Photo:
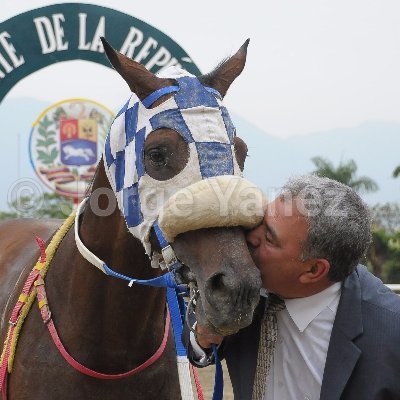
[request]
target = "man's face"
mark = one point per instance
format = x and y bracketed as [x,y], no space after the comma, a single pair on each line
[276,247]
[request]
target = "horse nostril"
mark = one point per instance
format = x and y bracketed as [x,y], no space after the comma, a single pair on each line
[217,282]
[221,287]
[227,288]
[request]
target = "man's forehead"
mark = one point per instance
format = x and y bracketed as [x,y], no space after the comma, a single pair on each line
[285,223]
[283,207]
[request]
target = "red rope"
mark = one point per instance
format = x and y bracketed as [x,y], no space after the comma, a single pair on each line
[41,244]
[199,390]
[4,365]
[87,371]
[15,314]
[4,391]
[46,315]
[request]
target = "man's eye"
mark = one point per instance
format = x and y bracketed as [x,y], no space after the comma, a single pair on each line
[157,158]
[268,239]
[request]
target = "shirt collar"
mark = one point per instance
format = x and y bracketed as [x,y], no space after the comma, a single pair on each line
[303,310]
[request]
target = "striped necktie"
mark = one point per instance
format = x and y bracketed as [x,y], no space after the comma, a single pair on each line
[268,336]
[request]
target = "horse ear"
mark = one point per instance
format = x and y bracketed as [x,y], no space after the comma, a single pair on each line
[140,80]
[223,76]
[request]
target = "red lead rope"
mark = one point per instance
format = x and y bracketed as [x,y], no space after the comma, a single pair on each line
[87,371]
[46,316]
[35,278]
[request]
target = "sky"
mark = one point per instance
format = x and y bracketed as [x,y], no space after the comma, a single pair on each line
[312,66]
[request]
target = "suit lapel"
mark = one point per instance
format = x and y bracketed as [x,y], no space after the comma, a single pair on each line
[343,354]
[248,368]
[241,355]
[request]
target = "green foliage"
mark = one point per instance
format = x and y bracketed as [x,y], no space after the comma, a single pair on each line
[383,257]
[386,217]
[391,268]
[344,173]
[48,205]
[396,172]
[7,215]
[46,143]
[48,152]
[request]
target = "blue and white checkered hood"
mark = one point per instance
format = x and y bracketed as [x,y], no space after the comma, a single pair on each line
[197,114]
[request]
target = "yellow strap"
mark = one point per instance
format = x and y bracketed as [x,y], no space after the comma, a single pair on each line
[42,267]
[23,298]
[39,282]
[39,265]
[42,303]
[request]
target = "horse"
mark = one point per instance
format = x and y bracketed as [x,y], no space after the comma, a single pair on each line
[103,323]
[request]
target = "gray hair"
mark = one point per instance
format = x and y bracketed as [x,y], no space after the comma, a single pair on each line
[339,222]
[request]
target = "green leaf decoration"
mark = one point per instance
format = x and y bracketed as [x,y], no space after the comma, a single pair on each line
[59,113]
[42,132]
[41,143]
[53,153]
[44,157]
[46,122]
[45,143]
[41,154]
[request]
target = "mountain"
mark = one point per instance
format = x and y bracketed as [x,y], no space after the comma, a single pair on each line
[373,145]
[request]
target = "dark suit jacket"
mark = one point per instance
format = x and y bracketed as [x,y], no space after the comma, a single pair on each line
[363,359]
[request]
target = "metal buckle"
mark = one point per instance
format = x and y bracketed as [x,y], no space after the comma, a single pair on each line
[169,256]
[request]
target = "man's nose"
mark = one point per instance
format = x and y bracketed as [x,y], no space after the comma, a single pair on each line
[253,238]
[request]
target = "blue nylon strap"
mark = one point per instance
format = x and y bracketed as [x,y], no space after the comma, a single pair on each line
[167,280]
[219,376]
[176,319]
[160,236]
[164,244]
[152,97]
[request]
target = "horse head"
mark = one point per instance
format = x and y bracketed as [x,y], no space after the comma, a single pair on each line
[172,158]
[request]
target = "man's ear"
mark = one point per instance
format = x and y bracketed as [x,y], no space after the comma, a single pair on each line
[318,269]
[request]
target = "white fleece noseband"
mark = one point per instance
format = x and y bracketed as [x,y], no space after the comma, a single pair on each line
[214,202]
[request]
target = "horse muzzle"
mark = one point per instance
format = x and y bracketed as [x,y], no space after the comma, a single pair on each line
[229,299]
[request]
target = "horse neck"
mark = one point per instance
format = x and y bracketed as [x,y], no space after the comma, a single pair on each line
[105,308]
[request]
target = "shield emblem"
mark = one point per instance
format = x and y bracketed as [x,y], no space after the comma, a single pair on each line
[78,141]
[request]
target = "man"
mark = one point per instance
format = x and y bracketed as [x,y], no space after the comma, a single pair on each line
[339,333]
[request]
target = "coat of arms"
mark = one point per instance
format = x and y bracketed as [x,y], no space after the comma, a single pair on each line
[78,141]
[64,144]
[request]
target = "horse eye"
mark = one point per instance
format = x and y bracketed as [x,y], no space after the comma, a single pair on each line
[157,158]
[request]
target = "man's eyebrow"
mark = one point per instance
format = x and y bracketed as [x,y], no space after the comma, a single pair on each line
[272,232]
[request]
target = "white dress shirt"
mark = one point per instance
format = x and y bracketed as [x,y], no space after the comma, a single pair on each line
[304,331]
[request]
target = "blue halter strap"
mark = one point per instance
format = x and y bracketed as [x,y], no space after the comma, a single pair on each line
[177,309]
[176,304]
[151,98]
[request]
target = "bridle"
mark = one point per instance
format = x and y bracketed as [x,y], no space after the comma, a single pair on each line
[172,263]
[176,290]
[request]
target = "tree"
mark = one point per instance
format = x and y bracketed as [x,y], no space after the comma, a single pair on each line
[386,217]
[396,172]
[48,205]
[344,173]
[383,256]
